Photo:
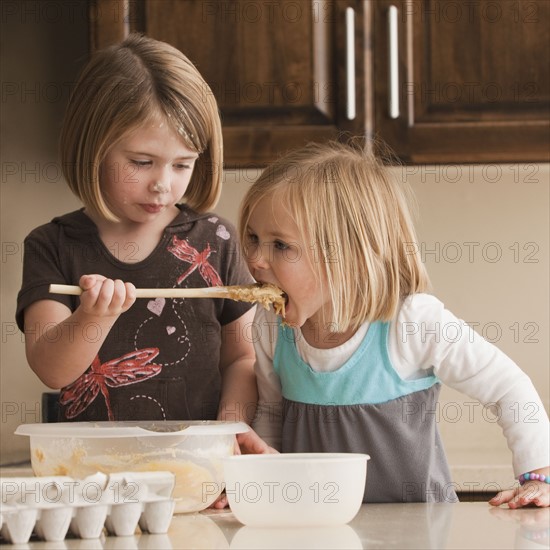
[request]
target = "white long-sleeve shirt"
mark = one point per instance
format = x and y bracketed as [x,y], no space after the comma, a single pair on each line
[424,338]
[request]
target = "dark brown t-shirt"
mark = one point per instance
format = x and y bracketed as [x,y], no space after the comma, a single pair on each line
[161,358]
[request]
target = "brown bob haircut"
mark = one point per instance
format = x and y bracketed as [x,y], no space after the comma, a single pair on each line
[124,87]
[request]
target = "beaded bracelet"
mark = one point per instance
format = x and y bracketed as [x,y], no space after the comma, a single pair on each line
[536,477]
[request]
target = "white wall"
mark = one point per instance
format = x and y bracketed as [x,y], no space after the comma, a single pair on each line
[486,241]
[484,232]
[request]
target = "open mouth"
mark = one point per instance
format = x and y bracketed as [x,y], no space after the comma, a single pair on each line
[268,294]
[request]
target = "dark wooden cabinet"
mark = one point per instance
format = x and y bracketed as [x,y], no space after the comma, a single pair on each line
[439,81]
[284,72]
[470,81]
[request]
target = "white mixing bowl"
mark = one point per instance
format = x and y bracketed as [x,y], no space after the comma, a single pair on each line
[295,489]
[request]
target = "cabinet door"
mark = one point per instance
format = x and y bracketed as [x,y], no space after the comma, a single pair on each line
[463,80]
[284,72]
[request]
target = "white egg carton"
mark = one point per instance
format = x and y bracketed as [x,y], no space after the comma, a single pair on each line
[53,506]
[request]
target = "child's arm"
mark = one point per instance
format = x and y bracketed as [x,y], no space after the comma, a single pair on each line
[251,443]
[268,422]
[239,393]
[430,337]
[56,342]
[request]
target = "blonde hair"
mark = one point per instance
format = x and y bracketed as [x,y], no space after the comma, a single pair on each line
[356,218]
[125,86]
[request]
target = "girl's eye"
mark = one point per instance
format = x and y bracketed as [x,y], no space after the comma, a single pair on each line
[250,246]
[280,245]
[141,163]
[182,166]
[251,238]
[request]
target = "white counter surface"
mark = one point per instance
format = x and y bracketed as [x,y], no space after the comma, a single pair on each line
[472,525]
[389,526]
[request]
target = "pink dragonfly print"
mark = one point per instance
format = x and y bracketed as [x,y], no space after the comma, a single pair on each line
[129,369]
[182,250]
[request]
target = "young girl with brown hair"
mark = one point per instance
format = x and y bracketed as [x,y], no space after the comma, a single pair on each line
[142,132]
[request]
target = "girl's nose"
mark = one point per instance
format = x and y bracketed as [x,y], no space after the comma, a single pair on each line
[259,264]
[160,187]
[161,181]
[256,259]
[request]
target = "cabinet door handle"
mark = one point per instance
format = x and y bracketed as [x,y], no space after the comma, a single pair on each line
[350,64]
[393,63]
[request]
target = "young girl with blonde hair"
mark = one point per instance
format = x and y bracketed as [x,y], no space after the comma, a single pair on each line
[142,132]
[357,363]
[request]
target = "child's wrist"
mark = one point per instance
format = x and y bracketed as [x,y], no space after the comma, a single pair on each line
[533,476]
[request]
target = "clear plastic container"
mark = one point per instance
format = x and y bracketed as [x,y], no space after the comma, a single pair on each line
[192,450]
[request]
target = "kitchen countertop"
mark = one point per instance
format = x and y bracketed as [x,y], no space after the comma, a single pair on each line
[401,526]
[473,525]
